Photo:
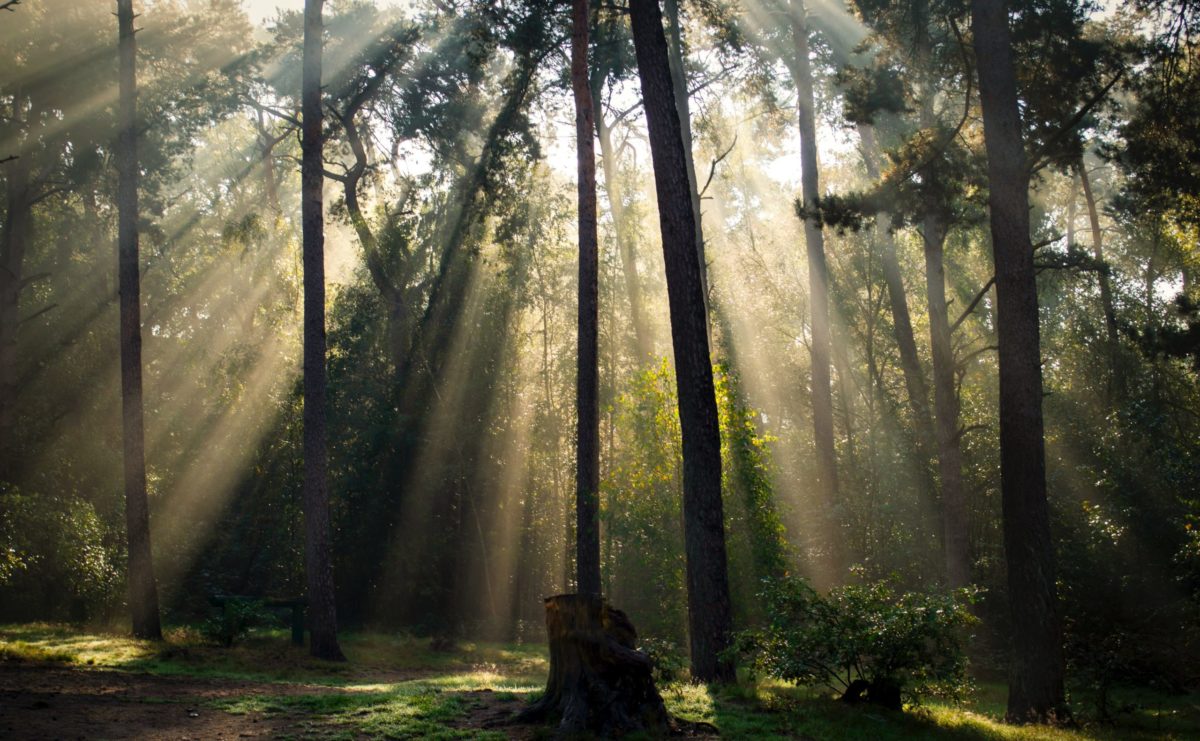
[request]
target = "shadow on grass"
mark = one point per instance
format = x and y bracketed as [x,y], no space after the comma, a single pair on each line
[268,656]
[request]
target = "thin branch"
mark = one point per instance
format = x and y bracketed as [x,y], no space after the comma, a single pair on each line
[712,170]
[10,5]
[9,158]
[33,279]
[962,432]
[974,302]
[277,113]
[974,354]
[1037,162]
[36,314]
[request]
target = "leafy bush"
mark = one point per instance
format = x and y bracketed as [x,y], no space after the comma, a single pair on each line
[56,558]
[235,620]
[865,641]
[666,658]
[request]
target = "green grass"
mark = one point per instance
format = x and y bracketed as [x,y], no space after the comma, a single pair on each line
[267,656]
[394,686]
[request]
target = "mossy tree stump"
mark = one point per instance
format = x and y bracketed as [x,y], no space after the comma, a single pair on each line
[598,681]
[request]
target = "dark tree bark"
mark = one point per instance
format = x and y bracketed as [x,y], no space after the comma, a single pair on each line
[818,282]
[1036,673]
[709,611]
[12,263]
[587,406]
[598,681]
[683,107]
[143,594]
[323,642]
[1115,381]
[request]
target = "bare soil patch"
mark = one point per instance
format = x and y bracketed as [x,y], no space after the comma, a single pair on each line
[41,701]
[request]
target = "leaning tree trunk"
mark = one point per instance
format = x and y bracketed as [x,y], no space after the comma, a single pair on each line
[910,363]
[587,407]
[143,594]
[323,642]
[683,106]
[1035,691]
[710,618]
[598,682]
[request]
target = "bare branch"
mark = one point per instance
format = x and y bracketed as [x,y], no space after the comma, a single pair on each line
[974,302]
[1038,160]
[38,313]
[9,158]
[10,5]
[712,170]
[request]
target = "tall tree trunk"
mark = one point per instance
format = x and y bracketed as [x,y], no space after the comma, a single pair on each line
[643,338]
[683,107]
[143,594]
[1115,380]
[587,407]
[12,262]
[323,642]
[946,408]
[934,228]
[1036,670]
[709,610]
[910,363]
[818,282]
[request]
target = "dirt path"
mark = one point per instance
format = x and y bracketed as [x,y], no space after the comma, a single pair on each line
[39,701]
[48,701]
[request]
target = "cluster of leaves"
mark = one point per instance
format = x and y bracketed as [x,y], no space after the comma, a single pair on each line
[235,619]
[57,556]
[911,642]
[667,658]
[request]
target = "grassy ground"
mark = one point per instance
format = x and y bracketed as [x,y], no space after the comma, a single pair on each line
[396,687]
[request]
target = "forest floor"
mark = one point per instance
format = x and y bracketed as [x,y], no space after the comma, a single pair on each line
[59,682]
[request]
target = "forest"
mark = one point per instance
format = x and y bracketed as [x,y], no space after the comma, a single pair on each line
[544,368]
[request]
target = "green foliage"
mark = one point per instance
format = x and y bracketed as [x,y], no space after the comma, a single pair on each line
[871,91]
[911,642]
[668,659]
[235,619]
[56,557]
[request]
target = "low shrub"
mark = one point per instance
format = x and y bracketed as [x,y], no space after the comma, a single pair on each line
[866,641]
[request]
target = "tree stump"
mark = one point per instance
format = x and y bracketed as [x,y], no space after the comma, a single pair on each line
[598,682]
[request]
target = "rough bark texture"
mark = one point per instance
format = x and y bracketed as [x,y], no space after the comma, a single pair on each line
[1115,381]
[683,107]
[323,641]
[709,612]
[598,682]
[12,263]
[587,440]
[143,594]
[818,291]
[1036,673]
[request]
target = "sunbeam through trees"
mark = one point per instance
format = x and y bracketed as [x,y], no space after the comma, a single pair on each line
[694,363]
